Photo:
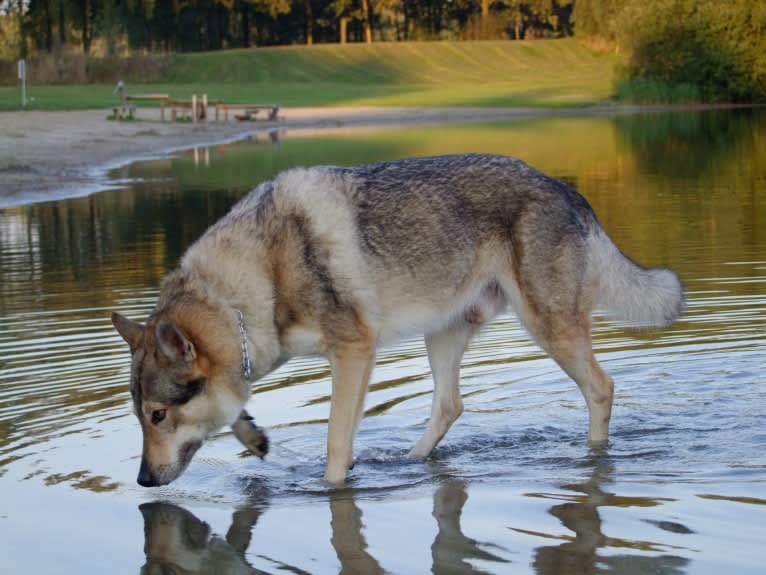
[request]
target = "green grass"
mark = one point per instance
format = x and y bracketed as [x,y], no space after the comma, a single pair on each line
[547,73]
[648,91]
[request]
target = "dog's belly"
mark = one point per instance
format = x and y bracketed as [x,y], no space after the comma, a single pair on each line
[410,316]
[302,339]
[407,321]
[411,320]
[398,314]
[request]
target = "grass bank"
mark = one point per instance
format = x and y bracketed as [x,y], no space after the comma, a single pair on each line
[545,73]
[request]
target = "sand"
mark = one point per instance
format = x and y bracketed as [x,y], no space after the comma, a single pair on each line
[48,155]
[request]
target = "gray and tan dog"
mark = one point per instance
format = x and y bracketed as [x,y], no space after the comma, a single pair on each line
[338,261]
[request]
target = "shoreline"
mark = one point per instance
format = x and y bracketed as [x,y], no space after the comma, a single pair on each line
[53,155]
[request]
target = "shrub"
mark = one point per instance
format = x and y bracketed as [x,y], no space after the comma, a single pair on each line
[75,68]
[718,47]
[681,47]
[650,91]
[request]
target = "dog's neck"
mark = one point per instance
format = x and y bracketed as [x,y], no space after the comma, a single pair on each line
[238,275]
[213,281]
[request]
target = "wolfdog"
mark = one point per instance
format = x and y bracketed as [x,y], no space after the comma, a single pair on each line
[339,261]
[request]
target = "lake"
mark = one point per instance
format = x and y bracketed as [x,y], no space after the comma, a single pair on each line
[513,487]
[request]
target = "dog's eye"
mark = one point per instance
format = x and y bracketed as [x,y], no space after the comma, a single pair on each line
[158,415]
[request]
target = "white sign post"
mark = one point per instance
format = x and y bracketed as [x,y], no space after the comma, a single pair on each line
[23,78]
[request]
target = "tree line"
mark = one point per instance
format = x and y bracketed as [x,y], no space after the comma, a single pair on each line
[114,27]
[700,50]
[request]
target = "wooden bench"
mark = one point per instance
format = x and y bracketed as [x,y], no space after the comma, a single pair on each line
[124,112]
[248,111]
[161,98]
[185,107]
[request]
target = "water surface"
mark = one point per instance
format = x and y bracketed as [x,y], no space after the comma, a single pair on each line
[513,488]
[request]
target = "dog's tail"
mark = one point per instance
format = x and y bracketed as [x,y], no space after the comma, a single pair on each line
[631,293]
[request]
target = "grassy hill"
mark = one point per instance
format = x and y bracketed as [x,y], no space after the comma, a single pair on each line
[550,73]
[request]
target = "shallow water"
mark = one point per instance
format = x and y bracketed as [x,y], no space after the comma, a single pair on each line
[513,487]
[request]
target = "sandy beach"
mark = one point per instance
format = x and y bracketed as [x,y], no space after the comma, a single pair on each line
[45,155]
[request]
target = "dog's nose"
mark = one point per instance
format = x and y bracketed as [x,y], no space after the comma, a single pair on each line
[146,477]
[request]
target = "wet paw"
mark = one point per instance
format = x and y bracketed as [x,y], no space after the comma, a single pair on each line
[251,436]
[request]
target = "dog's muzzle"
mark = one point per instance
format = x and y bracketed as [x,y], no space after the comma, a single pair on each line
[164,474]
[145,476]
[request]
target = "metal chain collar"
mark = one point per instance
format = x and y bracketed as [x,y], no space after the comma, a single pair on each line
[247,365]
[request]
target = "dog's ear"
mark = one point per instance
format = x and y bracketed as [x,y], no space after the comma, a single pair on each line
[174,343]
[131,331]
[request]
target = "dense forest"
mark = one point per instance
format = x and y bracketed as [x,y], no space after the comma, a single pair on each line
[691,50]
[119,26]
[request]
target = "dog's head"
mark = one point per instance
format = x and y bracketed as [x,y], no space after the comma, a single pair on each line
[180,394]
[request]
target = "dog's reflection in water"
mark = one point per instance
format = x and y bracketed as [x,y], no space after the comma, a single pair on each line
[452,551]
[177,543]
[588,550]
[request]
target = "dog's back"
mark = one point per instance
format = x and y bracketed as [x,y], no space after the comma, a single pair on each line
[413,238]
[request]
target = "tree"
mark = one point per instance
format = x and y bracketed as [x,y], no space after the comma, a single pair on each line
[597,17]
[360,11]
[309,13]
[61,5]
[108,25]
[22,29]
[164,22]
[193,25]
[367,21]
[87,13]
[40,18]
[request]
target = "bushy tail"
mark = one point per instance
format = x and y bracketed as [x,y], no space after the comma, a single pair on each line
[631,293]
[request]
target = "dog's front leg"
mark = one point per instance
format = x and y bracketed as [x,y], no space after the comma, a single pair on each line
[250,435]
[351,367]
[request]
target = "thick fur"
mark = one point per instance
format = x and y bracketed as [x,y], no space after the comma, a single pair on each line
[339,261]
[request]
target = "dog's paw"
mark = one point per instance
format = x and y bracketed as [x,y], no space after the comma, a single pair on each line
[250,435]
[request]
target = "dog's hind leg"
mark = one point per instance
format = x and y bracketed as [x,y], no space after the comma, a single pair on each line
[597,388]
[566,338]
[575,356]
[351,368]
[445,350]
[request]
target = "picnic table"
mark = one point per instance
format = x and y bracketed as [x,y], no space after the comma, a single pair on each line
[187,107]
[194,108]
[247,111]
[161,98]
